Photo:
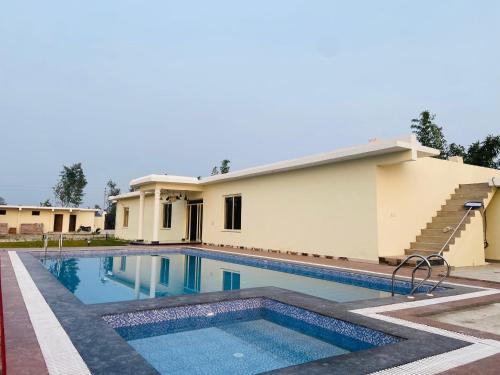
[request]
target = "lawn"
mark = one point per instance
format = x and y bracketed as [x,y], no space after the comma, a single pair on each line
[66,243]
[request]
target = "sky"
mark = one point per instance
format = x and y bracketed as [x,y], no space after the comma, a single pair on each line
[130,88]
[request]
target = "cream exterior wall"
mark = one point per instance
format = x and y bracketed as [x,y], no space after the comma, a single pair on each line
[15,217]
[409,194]
[327,210]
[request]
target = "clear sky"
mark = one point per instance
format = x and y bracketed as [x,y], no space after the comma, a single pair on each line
[130,88]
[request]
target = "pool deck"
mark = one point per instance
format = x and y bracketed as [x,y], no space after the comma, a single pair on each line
[23,353]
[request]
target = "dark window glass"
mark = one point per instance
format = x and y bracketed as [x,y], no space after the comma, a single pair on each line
[3,212]
[167,215]
[229,213]
[164,271]
[35,213]
[237,213]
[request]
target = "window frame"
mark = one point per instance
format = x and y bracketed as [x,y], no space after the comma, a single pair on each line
[35,213]
[231,226]
[167,215]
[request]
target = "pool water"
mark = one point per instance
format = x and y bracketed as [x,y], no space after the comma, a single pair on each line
[122,278]
[247,347]
[245,336]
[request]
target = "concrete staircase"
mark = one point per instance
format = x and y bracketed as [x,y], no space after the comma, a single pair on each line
[433,237]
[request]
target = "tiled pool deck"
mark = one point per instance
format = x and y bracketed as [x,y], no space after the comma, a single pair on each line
[429,344]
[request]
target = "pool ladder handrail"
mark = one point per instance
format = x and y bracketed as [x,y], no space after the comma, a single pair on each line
[443,277]
[424,261]
[413,288]
[45,244]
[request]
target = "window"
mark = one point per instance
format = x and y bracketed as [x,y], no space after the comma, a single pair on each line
[125,216]
[123,263]
[164,271]
[167,215]
[230,280]
[233,212]
[3,212]
[35,213]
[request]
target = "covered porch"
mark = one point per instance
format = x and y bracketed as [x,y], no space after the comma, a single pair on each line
[161,210]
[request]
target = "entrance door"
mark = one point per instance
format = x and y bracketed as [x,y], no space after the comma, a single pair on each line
[58,222]
[195,215]
[72,223]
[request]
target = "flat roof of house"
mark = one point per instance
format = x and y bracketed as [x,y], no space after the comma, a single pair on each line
[71,209]
[375,147]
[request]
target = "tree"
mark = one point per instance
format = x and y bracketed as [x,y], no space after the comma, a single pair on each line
[69,189]
[46,203]
[456,150]
[485,153]
[2,202]
[111,190]
[482,153]
[428,133]
[224,168]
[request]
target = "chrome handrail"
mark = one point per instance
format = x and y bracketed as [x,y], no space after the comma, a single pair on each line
[414,288]
[448,270]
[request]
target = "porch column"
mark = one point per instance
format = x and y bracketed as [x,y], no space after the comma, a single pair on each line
[156,216]
[140,235]
[137,284]
[152,282]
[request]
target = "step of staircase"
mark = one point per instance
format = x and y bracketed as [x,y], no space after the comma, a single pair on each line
[433,237]
[467,188]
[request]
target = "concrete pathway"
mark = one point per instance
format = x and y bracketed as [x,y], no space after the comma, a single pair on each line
[490,272]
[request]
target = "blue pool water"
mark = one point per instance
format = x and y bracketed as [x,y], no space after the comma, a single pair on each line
[239,337]
[247,347]
[121,278]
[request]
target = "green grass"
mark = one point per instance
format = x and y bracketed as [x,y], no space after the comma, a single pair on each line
[66,243]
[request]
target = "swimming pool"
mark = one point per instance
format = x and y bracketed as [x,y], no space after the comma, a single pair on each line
[104,279]
[239,337]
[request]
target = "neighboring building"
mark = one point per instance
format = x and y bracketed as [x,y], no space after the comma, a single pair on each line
[38,220]
[372,202]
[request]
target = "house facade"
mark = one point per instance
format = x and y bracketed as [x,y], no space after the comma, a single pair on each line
[372,202]
[39,220]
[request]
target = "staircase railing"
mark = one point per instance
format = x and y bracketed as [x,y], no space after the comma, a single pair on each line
[455,231]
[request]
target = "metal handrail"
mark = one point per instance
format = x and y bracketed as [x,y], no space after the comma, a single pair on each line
[454,231]
[448,270]
[45,245]
[414,288]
